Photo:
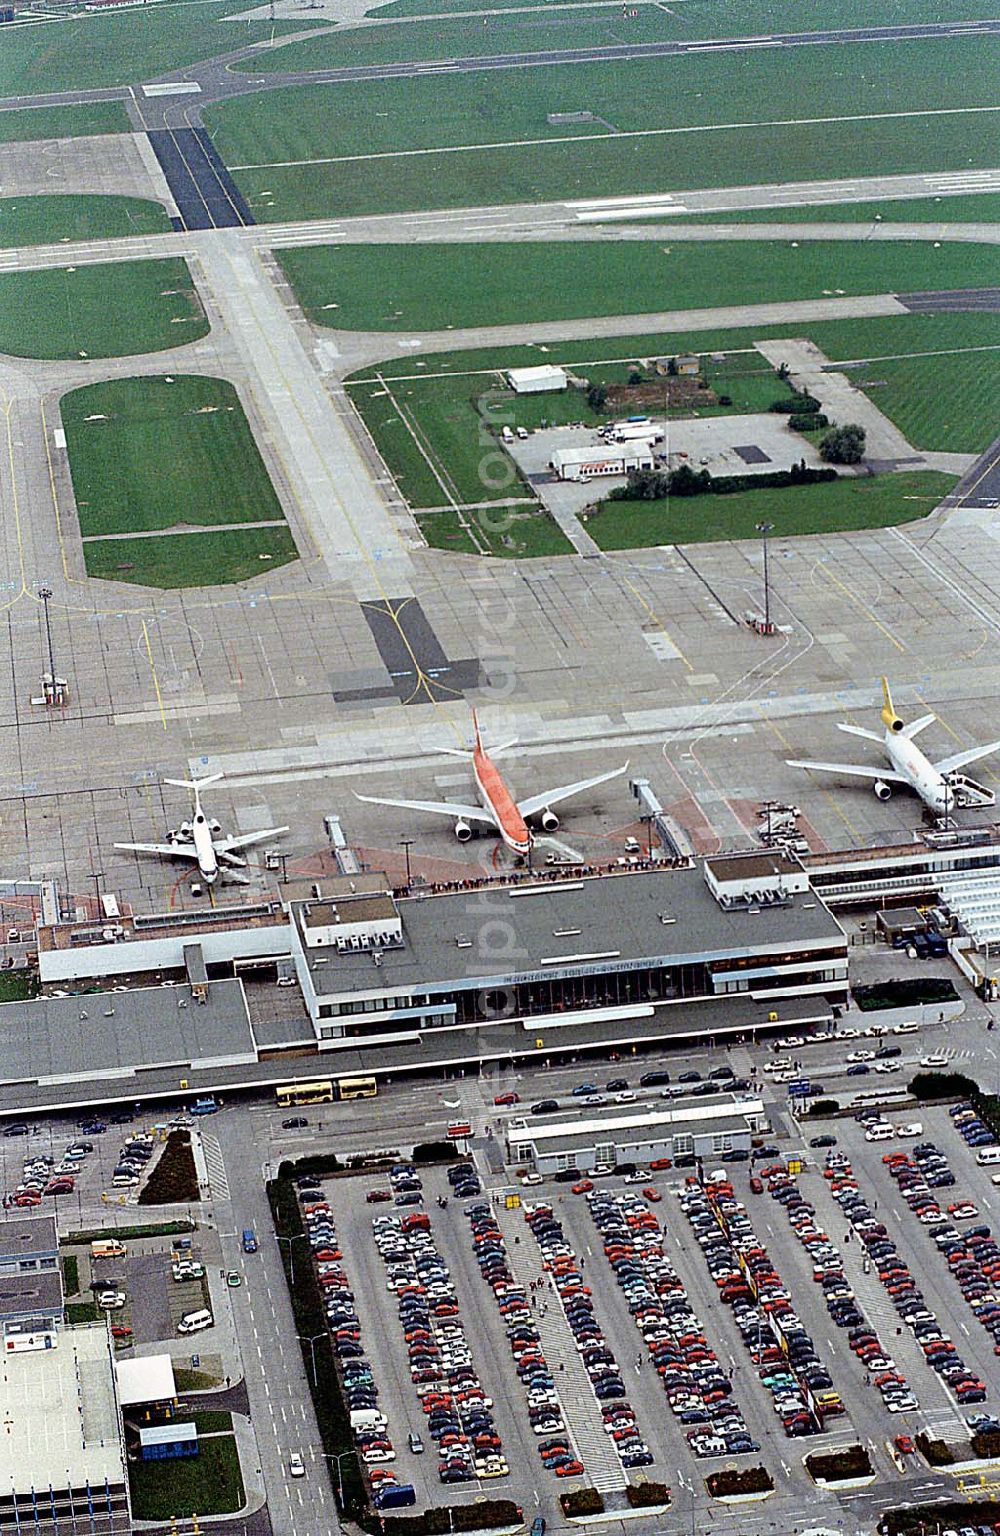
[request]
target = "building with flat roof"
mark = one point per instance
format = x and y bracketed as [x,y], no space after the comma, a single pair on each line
[31,1292]
[540,957]
[62,1462]
[535,381]
[690,1127]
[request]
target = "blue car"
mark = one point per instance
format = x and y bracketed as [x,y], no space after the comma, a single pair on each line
[582,1088]
[861,1069]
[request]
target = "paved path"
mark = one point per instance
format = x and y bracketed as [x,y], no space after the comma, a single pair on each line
[182,528]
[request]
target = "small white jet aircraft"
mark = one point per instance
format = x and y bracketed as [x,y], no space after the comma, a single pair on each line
[199,839]
[939,785]
[498,809]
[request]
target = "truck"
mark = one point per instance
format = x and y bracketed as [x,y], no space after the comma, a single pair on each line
[107,1248]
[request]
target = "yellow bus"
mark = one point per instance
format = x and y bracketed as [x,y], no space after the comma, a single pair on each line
[325,1090]
[356,1087]
[319,1092]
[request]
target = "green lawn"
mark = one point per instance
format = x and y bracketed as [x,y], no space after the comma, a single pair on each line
[440,436]
[984,207]
[940,402]
[507,532]
[117,309]
[211,1421]
[74,53]
[676,105]
[701,18]
[191,559]
[429,287]
[150,453]
[473,36]
[20,124]
[834,507]
[207,1484]
[46,219]
[71,1274]
[187,1380]
[82,1312]
[18,986]
[609,357]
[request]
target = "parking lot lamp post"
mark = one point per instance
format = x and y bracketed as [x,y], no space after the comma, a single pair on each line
[281,1238]
[406,844]
[764,529]
[310,1339]
[338,1457]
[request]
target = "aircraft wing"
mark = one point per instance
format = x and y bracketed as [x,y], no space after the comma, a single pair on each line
[972,755]
[231,844]
[435,808]
[885,774]
[553,796]
[165,850]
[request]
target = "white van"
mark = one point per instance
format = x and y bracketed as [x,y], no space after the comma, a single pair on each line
[367,1418]
[107,1248]
[879,1133]
[194,1322]
[988,1155]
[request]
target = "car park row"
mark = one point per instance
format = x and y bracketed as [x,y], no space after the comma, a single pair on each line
[697,1388]
[451,1393]
[841,1301]
[545,1415]
[598,1361]
[895,1275]
[970,1126]
[972,1255]
[42,1175]
[786,1359]
[369,1427]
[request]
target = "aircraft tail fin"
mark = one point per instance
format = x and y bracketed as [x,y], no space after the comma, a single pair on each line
[890,719]
[195,784]
[475,727]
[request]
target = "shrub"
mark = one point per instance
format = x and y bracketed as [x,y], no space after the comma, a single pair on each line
[582,1501]
[986,1444]
[725,399]
[823,1107]
[908,993]
[839,1466]
[749,1480]
[795,405]
[942,1085]
[806,423]
[843,445]
[174,1180]
[460,1517]
[934,1452]
[641,1495]
[434,1152]
[597,397]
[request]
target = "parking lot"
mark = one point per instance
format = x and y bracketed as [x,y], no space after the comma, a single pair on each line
[59,1165]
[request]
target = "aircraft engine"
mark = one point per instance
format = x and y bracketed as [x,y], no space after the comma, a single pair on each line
[550,820]
[215,827]
[883,790]
[463,831]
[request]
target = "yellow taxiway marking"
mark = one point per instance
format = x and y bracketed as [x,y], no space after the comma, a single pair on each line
[152,668]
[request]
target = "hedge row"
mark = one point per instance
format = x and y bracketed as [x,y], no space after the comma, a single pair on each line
[839,1466]
[917,1519]
[750,1480]
[934,1452]
[581,1501]
[642,1495]
[904,993]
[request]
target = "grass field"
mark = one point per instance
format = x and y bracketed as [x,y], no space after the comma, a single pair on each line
[147,454]
[702,18]
[46,219]
[91,50]
[941,402]
[940,381]
[691,121]
[118,309]
[440,436]
[19,125]
[191,559]
[975,208]
[207,1484]
[508,532]
[473,36]
[838,506]
[17,986]
[428,287]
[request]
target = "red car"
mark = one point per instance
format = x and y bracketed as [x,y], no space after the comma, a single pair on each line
[583,1187]
[570,1469]
[376,1196]
[121,1331]
[510,1097]
[651,1194]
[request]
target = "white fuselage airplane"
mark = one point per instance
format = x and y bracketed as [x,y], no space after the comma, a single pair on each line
[939,785]
[199,839]
[498,809]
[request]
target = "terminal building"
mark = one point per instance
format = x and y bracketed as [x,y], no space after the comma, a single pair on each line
[352,977]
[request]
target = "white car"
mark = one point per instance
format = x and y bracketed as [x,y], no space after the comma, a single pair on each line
[910,1027]
[627,1096]
[861,1056]
[914,1129]
[111,1300]
[529,1180]
[296,1466]
[934,1060]
[887,1066]
[640,1176]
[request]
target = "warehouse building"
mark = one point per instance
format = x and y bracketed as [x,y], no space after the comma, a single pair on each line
[537,381]
[689,1128]
[601,460]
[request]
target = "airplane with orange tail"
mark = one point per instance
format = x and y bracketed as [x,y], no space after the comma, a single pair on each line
[498,809]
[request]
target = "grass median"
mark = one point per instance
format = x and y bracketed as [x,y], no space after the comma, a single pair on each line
[210,1483]
[191,559]
[113,309]
[432,287]
[46,220]
[838,506]
[18,125]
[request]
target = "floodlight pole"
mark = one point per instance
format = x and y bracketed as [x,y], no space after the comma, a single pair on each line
[764,529]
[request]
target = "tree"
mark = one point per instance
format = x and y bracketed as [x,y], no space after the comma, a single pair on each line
[597,398]
[686,481]
[671,367]
[843,445]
